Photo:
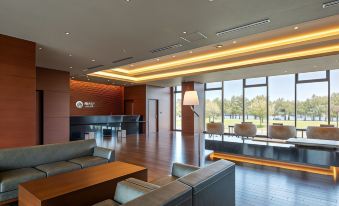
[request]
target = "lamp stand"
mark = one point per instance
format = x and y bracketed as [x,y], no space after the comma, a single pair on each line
[199,137]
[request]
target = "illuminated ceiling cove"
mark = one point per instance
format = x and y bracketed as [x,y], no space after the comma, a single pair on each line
[312,39]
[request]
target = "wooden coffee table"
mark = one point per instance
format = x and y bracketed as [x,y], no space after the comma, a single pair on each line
[82,187]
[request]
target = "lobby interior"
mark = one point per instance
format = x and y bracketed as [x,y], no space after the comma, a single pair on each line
[207,102]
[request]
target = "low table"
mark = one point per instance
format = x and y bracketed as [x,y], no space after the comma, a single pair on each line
[322,143]
[78,188]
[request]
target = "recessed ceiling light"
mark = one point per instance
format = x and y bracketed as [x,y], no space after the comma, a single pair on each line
[234,42]
[72,77]
[67,33]
[93,60]
[40,48]
[184,32]
[295,28]
[210,0]
[219,46]
[128,0]
[158,59]
[191,52]
[132,65]
[70,55]
[70,67]
[173,56]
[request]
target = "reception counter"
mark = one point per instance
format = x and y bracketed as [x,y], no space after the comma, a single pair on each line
[82,125]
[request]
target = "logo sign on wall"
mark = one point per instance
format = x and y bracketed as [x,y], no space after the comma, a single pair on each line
[81,104]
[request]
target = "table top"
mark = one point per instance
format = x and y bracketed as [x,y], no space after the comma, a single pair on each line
[314,142]
[55,186]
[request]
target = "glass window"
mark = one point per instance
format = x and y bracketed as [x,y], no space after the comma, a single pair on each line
[281,99]
[214,85]
[312,75]
[254,81]
[312,104]
[213,106]
[334,96]
[256,108]
[233,104]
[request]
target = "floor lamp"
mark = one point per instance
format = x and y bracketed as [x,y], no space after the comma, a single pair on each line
[191,99]
[336,110]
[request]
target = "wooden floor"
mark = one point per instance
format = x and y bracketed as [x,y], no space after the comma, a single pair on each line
[255,185]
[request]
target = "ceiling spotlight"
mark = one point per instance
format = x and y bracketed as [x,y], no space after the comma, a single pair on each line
[72,77]
[70,55]
[93,60]
[128,0]
[295,28]
[70,67]
[158,59]
[40,48]
[210,0]
[67,33]
[234,42]
[184,32]
[191,52]
[219,46]
[173,56]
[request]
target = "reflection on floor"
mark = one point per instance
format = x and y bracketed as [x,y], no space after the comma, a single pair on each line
[255,185]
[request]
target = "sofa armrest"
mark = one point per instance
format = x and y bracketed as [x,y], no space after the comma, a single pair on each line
[104,153]
[179,169]
[143,183]
[175,193]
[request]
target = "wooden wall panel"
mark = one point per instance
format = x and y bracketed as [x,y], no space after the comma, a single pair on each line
[137,94]
[56,98]
[108,98]
[17,99]
[190,123]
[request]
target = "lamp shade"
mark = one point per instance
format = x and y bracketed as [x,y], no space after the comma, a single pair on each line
[191,98]
[335,108]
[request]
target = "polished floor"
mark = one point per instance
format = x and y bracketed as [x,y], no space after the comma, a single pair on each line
[255,185]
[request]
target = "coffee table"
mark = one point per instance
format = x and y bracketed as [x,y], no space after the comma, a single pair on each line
[82,187]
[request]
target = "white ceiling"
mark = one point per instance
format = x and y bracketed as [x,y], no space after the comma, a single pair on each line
[107,30]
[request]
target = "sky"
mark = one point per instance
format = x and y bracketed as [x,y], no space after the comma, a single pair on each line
[281,86]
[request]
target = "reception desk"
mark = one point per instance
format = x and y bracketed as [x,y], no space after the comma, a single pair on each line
[82,125]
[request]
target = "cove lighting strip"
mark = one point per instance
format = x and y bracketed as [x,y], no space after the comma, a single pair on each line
[229,65]
[235,51]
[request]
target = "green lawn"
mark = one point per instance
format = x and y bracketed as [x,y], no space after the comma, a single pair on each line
[262,129]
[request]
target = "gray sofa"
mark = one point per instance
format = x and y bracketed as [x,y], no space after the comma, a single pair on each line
[19,165]
[213,185]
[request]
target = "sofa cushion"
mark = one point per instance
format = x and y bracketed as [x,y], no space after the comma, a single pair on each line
[89,161]
[9,180]
[58,167]
[107,203]
[24,157]
[8,195]
[127,191]
[164,180]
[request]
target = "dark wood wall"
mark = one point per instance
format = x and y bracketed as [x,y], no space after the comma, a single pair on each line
[17,98]
[56,97]
[190,123]
[137,95]
[108,99]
